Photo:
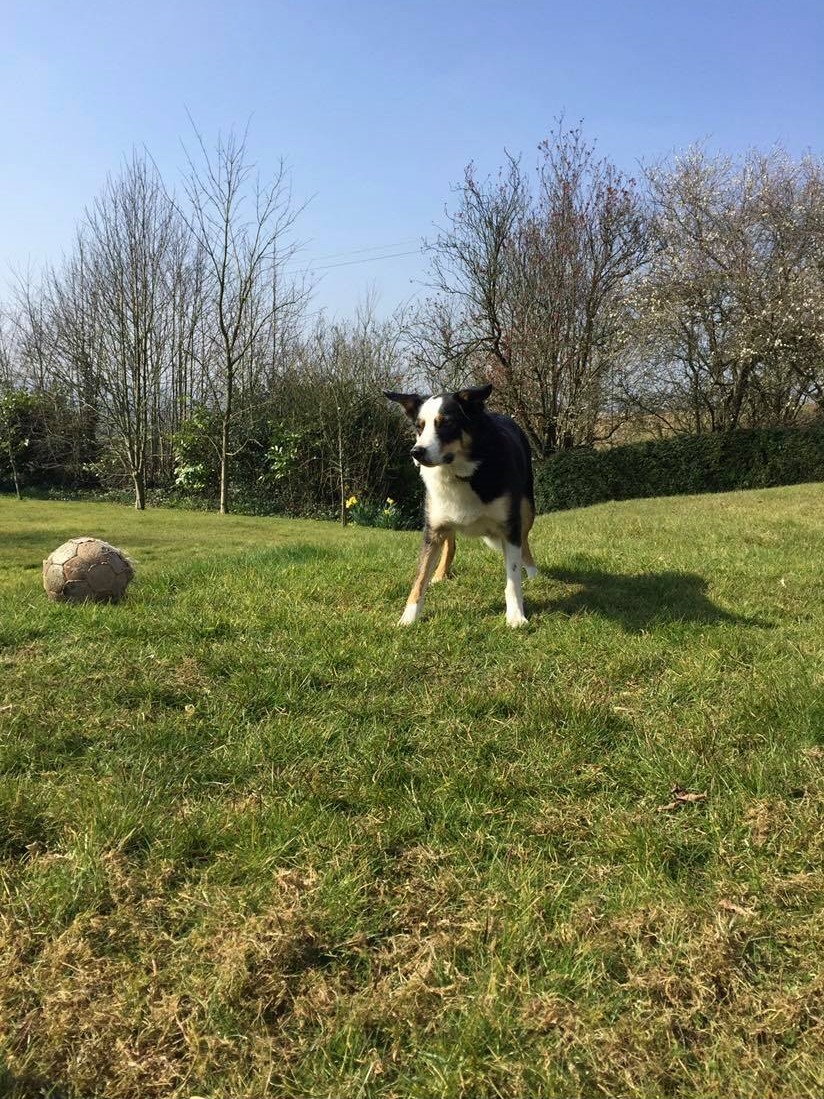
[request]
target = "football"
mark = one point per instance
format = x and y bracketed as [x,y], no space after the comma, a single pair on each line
[86,568]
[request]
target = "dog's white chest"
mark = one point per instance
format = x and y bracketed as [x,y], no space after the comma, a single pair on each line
[452,504]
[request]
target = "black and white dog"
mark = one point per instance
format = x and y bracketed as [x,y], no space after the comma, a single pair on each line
[477,469]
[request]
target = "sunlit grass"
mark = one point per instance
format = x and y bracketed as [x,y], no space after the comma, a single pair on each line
[254,839]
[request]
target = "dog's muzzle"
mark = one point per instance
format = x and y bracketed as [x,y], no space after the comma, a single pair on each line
[420,454]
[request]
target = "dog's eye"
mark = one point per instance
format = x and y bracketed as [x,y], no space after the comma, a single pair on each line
[419,426]
[438,421]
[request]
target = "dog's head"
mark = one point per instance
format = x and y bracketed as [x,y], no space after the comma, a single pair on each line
[445,423]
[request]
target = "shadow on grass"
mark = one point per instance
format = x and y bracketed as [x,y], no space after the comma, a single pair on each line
[639,601]
[26,550]
[34,539]
[184,574]
[29,1087]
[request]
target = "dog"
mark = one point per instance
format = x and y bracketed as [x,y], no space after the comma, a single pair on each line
[477,469]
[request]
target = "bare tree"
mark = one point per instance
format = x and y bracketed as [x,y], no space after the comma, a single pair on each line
[730,312]
[541,276]
[126,268]
[243,231]
[8,372]
[72,340]
[31,330]
[344,368]
[438,346]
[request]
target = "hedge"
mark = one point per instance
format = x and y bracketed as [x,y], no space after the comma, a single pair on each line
[749,458]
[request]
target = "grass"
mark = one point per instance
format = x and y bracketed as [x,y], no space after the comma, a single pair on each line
[255,840]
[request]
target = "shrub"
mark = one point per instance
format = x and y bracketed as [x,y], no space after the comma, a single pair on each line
[44,443]
[722,462]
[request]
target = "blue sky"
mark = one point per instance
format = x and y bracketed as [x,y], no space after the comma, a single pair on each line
[377,107]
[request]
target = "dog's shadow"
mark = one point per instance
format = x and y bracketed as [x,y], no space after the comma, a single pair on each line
[637,602]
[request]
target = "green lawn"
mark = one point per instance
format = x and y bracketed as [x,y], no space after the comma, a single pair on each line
[256,840]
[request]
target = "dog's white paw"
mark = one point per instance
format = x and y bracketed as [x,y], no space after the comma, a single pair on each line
[410,615]
[516,618]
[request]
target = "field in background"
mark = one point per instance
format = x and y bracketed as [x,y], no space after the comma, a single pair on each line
[256,840]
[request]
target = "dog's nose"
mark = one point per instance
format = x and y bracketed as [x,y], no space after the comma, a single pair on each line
[418,453]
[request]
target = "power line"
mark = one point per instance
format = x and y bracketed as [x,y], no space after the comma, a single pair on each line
[374,248]
[311,267]
[369,259]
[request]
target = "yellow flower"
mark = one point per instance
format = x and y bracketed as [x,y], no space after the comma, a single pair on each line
[390,501]
[350,503]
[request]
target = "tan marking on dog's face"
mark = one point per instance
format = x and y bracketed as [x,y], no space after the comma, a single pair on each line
[457,448]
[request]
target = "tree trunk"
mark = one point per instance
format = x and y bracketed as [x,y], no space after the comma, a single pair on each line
[224,467]
[139,490]
[342,478]
[14,473]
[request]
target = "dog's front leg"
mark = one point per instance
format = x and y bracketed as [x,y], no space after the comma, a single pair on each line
[512,593]
[432,542]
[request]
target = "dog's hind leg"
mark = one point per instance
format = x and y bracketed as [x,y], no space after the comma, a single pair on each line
[444,569]
[530,568]
[432,542]
[527,519]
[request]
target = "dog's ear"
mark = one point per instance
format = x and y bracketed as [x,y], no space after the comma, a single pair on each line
[411,402]
[473,397]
